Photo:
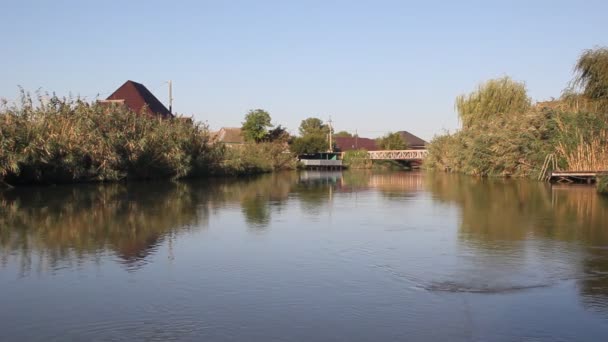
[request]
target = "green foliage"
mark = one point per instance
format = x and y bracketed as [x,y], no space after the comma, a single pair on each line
[258,158]
[356,159]
[309,144]
[343,134]
[503,135]
[497,97]
[313,137]
[602,184]
[257,121]
[63,140]
[391,141]
[278,133]
[313,126]
[504,146]
[592,73]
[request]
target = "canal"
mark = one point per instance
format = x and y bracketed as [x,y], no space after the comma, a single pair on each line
[311,256]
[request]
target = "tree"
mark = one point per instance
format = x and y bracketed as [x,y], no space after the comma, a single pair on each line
[313,126]
[309,144]
[494,98]
[256,123]
[592,73]
[278,133]
[313,137]
[344,134]
[391,141]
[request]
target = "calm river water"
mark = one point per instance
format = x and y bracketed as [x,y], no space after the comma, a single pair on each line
[305,257]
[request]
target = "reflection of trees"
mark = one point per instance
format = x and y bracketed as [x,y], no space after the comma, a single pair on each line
[63,223]
[256,211]
[259,196]
[44,227]
[512,210]
[498,211]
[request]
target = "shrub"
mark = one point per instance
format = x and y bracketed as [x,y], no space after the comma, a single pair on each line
[356,159]
[602,184]
[64,140]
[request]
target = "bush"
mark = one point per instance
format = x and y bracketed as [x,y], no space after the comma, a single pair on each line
[602,184]
[503,135]
[258,158]
[357,159]
[64,140]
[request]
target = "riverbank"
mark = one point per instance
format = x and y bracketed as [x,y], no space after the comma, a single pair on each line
[504,134]
[55,140]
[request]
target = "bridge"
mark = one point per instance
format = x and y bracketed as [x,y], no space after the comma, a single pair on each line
[407,155]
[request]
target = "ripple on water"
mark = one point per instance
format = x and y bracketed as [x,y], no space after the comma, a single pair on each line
[173,328]
[449,286]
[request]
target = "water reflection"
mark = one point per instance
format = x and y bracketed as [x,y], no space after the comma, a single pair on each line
[338,250]
[45,227]
[504,222]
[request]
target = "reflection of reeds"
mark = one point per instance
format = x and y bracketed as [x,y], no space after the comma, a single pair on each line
[495,210]
[69,223]
[66,224]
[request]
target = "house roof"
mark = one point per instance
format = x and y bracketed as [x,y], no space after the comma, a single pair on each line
[137,97]
[411,140]
[355,143]
[230,135]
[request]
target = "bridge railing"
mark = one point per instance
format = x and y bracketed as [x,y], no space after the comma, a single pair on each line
[398,154]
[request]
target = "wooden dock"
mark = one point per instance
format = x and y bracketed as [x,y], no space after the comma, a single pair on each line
[587,177]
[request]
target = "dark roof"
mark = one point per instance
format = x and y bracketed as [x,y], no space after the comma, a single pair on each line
[136,96]
[355,143]
[411,140]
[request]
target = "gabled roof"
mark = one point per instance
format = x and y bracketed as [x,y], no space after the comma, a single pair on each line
[411,140]
[355,143]
[136,97]
[230,135]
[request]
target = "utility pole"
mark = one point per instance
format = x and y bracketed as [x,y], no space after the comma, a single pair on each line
[170,97]
[331,146]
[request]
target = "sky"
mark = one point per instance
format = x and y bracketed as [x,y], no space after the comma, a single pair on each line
[373,67]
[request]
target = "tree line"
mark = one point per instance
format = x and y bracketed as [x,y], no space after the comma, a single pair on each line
[313,134]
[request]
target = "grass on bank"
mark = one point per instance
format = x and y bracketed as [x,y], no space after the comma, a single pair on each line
[503,134]
[58,140]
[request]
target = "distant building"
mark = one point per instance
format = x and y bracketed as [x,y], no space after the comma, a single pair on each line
[229,136]
[343,144]
[138,99]
[412,141]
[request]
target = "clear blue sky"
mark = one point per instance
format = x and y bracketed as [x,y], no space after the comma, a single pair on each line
[374,66]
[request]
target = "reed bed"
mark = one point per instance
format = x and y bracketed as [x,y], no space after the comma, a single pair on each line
[58,140]
[588,155]
[503,134]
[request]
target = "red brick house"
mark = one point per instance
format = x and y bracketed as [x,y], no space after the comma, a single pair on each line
[139,100]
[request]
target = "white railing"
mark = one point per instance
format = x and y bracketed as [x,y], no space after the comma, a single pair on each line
[398,155]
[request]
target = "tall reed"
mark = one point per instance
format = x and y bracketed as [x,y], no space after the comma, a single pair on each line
[590,154]
[68,140]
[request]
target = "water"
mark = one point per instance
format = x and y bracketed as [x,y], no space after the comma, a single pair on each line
[305,257]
